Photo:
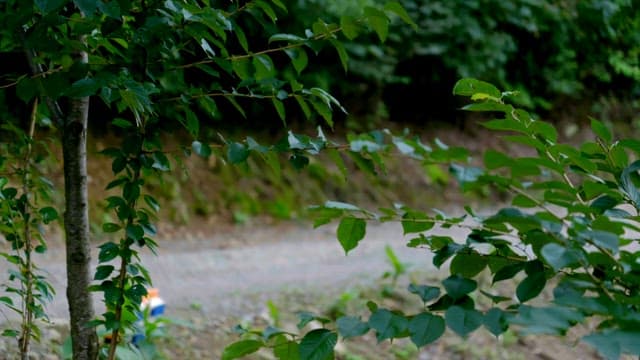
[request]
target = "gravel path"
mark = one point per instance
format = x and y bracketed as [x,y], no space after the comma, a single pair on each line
[270,261]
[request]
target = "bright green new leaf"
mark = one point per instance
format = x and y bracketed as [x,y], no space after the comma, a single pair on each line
[318,345]
[241,348]
[425,328]
[415,222]
[396,8]
[463,321]
[601,130]
[350,27]
[350,231]
[379,21]
[469,87]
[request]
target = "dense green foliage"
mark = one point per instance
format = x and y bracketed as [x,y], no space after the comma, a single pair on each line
[547,49]
[570,228]
[151,65]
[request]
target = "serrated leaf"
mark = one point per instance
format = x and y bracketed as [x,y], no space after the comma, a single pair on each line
[318,344]
[425,328]
[350,231]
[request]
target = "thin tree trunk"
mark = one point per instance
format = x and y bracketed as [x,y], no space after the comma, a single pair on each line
[76,222]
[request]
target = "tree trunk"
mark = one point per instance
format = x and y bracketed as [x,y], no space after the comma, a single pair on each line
[76,223]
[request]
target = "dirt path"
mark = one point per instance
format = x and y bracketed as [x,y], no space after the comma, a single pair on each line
[231,281]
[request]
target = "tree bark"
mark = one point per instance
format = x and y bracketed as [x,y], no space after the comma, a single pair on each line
[76,223]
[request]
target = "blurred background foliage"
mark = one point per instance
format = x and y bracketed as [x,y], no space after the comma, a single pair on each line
[553,51]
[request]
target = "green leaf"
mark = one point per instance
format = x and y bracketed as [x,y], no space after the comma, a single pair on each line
[350,231]
[286,37]
[135,232]
[426,293]
[495,321]
[469,87]
[192,123]
[318,345]
[264,67]
[351,326]
[110,227]
[88,7]
[495,160]
[47,6]
[425,328]
[508,272]
[299,58]
[324,110]
[242,68]
[558,256]
[241,348]
[201,149]
[48,214]
[458,287]
[379,21]
[396,8]
[286,350]
[83,87]
[468,264]
[531,286]
[341,206]
[611,343]
[463,321]
[152,202]
[350,27]
[342,53]
[544,129]
[601,130]
[387,324]
[415,222]
[279,106]
[303,106]
[108,252]
[103,272]
[237,153]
